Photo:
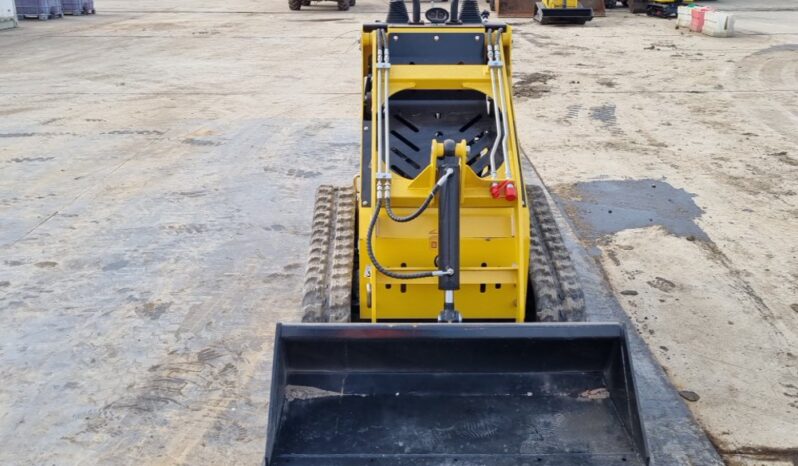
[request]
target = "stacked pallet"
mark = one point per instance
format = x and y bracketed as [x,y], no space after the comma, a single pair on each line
[78,7]
[42,9]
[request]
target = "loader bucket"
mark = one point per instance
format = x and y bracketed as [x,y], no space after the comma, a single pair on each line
[453,394]
[578,15]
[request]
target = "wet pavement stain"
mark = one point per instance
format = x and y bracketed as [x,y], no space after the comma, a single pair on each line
[199,193]
[532,85]
[201,142]
[662,284]
[778,48]
[153,310]
[30,159]
[299,173]
[115,265]
[605,207]
[606,115]
[143,132]
[46,264]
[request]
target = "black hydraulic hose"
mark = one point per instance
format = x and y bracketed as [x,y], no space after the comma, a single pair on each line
[416,11]
[377,265]
[414,215]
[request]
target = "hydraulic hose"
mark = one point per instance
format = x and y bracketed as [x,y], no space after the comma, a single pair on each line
[422,207]
[386,58]
[414,215]
[498,52]
[378,99]
[494,88]
[396,218]
[377,265]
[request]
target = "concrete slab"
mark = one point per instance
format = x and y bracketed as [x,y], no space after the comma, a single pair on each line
[158,165]
[674,436]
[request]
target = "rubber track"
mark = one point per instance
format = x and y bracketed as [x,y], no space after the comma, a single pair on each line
[327,293]
[555,284]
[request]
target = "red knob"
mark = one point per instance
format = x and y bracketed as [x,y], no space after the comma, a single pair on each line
[510,193]
[495,190]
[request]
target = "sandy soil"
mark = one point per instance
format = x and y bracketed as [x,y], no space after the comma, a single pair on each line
[705,262]
[158,164]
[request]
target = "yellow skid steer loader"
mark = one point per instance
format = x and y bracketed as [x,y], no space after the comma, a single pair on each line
[562,12]
[441,311]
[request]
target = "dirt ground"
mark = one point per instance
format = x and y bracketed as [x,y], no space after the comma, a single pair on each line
[158,164]
[675,156]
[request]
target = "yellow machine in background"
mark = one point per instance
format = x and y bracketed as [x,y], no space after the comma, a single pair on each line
[561,3]
[663,8]
[562,12]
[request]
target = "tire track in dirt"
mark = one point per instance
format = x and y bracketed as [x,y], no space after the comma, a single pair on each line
[772,68]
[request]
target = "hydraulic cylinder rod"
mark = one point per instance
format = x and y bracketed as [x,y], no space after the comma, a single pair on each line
[449,230]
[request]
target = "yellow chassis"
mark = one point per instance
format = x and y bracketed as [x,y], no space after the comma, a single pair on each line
[494,233]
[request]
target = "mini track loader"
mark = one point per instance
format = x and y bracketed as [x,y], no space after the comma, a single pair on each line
[440,306]
[297,5]
[663,8]
[562,12]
